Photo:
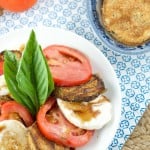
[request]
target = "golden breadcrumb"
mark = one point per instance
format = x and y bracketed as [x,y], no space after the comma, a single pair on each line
[128,21]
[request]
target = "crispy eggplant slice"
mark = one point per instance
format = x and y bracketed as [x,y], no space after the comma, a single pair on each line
[5,98]
[38,142]
[16,52]
[84,92]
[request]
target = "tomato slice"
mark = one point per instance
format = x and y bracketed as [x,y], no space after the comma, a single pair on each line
[10,107]
[68,66]
[17,5]
[55,127]
[1,67]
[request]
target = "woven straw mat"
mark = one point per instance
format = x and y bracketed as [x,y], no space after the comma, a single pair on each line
[140,138]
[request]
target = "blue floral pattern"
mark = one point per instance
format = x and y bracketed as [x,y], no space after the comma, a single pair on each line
[133,71]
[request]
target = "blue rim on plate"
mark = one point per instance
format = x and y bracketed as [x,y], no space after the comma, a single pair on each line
[106,39]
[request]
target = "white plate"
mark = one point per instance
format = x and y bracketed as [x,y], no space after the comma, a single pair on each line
[100,64]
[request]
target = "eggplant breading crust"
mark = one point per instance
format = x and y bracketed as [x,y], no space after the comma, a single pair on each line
[128,21]
[5,98]
[16,52]
[38,142]
[84,92]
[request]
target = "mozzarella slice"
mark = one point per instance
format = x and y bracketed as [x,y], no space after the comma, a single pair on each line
[91,115]
[13,135]
[3,87]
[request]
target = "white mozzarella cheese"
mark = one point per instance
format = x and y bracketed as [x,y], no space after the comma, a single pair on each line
[13,135]
[3,87]
[100,106]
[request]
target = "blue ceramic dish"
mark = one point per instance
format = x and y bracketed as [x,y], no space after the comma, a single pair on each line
[106,38]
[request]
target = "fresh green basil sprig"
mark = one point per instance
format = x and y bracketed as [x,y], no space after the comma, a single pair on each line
[29,79]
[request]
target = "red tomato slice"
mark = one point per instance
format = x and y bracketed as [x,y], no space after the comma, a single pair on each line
[68,66]
[11,107]
[1,67]
[55,127]
[17,5]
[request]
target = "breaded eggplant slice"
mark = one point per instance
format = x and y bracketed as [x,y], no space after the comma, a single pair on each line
[38,142]
[5,98]
[16,52]
[128,21]
[84,92]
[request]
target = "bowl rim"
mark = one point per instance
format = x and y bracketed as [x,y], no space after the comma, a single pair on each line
[130,50]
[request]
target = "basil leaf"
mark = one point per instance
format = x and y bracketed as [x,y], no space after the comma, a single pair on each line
[50,78]
[25,73]
[40,75]
[10,71]
[34,74]
[29,80]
